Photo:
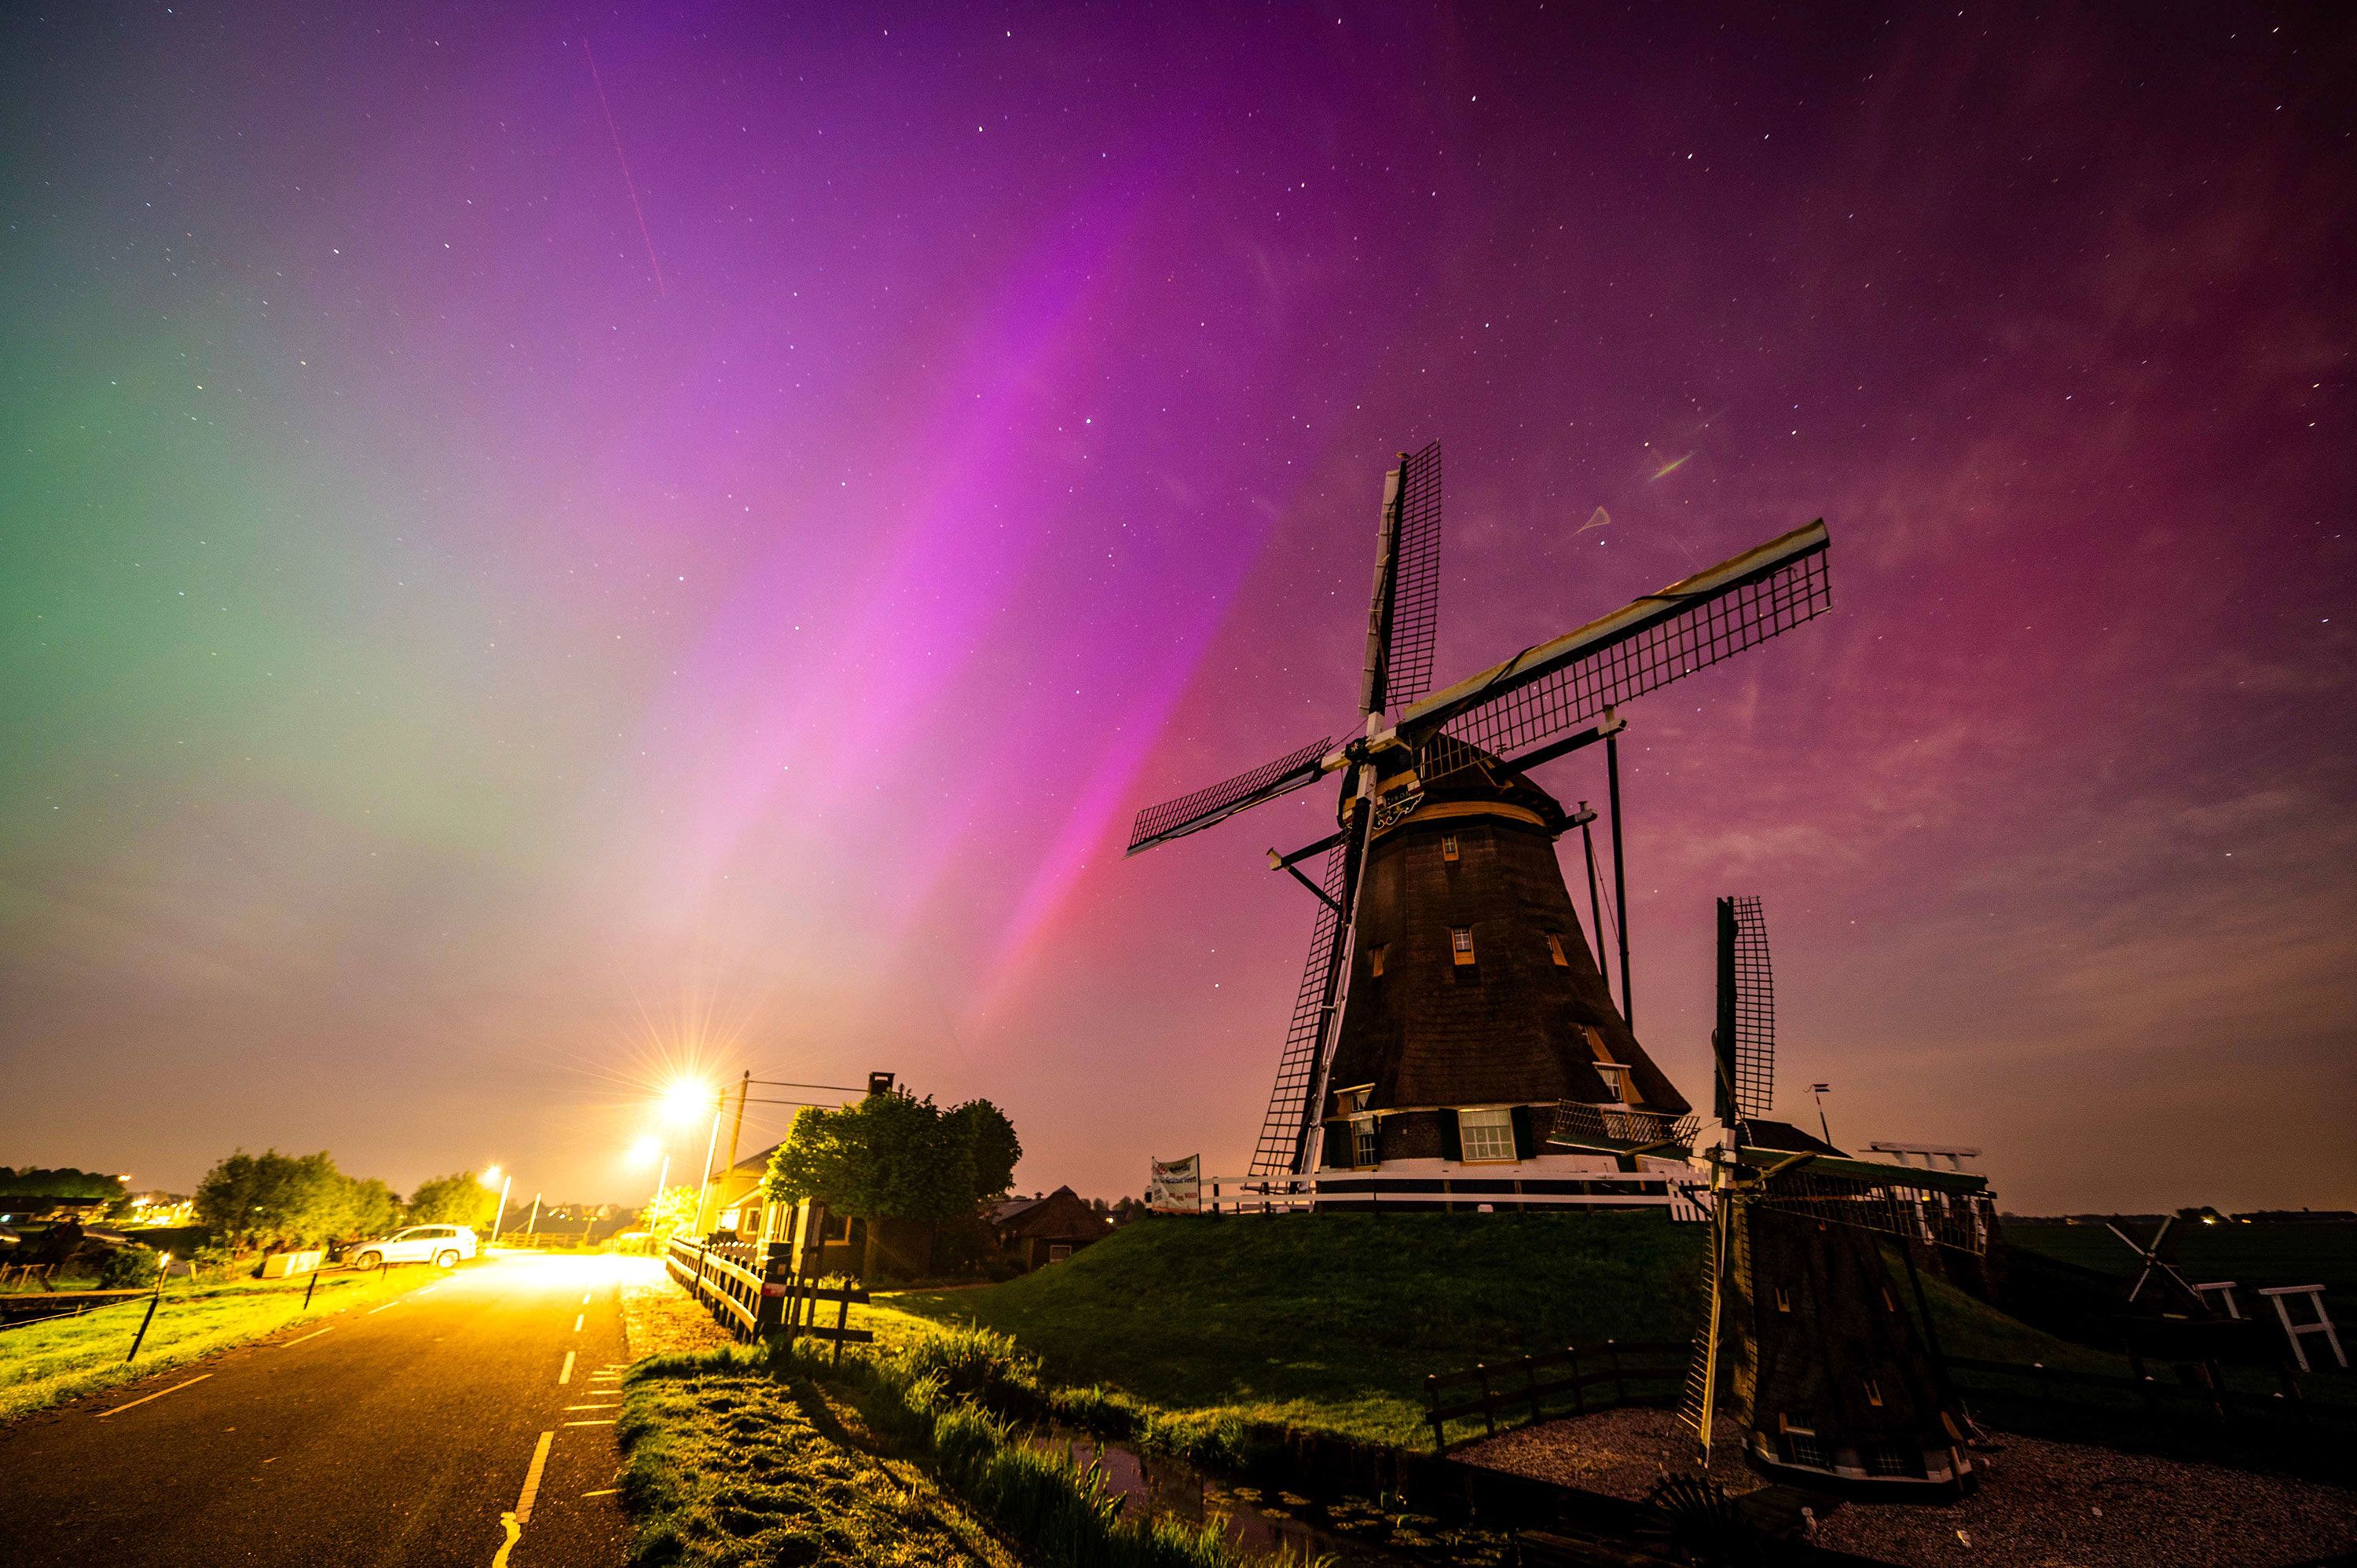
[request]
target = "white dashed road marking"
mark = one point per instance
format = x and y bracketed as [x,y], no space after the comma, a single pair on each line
[176,1388]
[566,1376]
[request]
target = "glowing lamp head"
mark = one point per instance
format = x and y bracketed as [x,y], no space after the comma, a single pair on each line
[646,1152]
[493,1176]
[686,1100]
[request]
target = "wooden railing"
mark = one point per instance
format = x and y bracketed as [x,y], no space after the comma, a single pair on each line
[1569,1381]
[724,1278]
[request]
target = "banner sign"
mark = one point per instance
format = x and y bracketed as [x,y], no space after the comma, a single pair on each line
[1177,1187]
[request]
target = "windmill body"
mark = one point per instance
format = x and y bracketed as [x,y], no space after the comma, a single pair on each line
[1475,1006]
[1452,1010]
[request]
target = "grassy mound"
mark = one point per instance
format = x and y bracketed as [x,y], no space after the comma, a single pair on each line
[1333,1321]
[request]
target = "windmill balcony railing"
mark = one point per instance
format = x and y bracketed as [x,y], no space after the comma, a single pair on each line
[1461,1189]
[1575,1121]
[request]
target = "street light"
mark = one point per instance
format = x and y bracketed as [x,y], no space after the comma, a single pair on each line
[494,1176]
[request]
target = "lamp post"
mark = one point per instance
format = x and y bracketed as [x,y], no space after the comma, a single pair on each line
[500,1218]
[1818,1091]
[711,1147]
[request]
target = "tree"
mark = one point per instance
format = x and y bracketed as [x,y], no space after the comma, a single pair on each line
[673,1213]
[275,1200]
[892,1156]
[459,1198]
[62,1181]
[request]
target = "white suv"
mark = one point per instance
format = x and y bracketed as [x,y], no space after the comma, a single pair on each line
[444,1244]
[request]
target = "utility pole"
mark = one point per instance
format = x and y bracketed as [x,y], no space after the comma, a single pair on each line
[1818,1091]
[736,1128]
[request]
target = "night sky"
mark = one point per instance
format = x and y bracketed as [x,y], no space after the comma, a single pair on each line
[506,593]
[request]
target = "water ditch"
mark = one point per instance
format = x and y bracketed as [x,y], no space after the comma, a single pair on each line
[1351,1532]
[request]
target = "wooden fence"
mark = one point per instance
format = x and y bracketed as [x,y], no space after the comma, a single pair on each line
[1569,1381]
[758,1291]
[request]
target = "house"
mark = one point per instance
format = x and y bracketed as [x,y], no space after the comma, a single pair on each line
[1037,1229]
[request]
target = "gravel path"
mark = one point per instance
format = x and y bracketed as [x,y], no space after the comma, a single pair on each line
[2039,1505]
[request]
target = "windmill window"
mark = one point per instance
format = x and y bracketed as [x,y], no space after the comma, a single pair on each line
[1460,943]
[1783,1301]
[1449,846]
[1486,1134]
[1803,1446]
[1351,1102]
[1885,1459]
[1375,959]
[1873,1394]
[1554,950]
[1362,1144]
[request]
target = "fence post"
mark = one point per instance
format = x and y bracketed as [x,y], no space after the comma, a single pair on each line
[139,1337]
[1489,1401]
[1432,1407]
[842,1316]
[1530,1385]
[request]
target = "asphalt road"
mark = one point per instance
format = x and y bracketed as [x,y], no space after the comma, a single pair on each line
[405,1434]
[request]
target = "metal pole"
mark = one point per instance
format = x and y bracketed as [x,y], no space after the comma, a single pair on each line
[309,1288]
[501,1218]
[531,1227]
[738,1126]
[711,1147]
[663,1179]
[1595,903]
[1620,877]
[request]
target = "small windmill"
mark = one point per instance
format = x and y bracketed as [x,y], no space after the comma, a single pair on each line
[1450,999]
[1831,1380]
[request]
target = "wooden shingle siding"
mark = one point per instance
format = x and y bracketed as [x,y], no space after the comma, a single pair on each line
[1510,1028]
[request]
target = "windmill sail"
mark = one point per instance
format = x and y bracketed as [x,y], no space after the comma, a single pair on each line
[1403,621]
[1755,1011]
[1278,1146]
[1193,813]
[1546,691]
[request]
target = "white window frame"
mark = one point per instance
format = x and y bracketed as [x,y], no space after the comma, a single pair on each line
[1448,849]
[1460,944]
[1363,1154]
[1496,1121]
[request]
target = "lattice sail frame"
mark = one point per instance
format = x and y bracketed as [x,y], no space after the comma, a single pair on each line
[1305,1034]
[1192,813]
[1516,707]
[1416,582]
[1755,1011]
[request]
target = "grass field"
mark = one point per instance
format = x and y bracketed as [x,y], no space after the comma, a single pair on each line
[2252,1254]
[1332,1322]
[45,1363]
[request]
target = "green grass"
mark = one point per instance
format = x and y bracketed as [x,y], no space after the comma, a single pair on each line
[2252,1254]
[47,1363]
[741,1458]
[1331,1322]
[729,1465]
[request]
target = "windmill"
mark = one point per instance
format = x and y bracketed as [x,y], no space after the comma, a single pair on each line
[1451,1002]
[1835,1387]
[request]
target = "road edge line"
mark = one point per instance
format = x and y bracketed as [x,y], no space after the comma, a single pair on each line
[159,1393]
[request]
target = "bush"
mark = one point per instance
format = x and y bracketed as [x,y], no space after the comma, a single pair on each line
[131,1268]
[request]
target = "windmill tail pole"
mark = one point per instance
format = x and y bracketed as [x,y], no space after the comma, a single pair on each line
[1722,1035]
[1620,876]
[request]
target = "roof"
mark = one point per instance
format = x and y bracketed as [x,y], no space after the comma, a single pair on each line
[1762,1133]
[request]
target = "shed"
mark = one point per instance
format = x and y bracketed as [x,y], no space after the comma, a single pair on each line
[1047,1230]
